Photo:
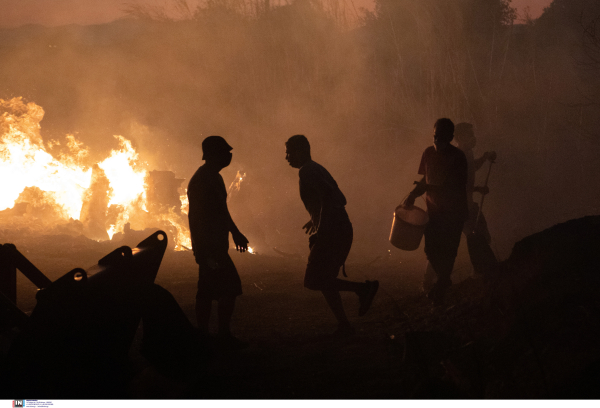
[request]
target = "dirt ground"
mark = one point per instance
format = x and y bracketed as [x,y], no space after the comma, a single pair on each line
[404,347]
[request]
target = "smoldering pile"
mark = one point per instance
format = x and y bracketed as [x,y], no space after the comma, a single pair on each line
[530,331]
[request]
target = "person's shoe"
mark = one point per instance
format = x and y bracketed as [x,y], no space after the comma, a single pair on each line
[366,298]
[344,331]
[436,294]
[229,342]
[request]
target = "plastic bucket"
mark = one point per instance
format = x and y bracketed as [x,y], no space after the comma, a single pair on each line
[408,227]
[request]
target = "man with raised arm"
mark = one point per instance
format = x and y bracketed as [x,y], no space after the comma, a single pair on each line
[210,225]
[330,235]
[466,141]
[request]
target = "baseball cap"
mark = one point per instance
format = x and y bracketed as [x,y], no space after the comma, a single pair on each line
[214,144]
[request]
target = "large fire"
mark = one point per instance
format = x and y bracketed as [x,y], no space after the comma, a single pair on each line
[104,196]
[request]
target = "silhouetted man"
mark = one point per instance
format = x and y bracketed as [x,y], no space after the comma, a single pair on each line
[444,170]
[466,141]
[330,235]
[210,225]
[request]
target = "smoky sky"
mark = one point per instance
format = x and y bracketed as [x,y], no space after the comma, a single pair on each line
[365,97]
[62,12]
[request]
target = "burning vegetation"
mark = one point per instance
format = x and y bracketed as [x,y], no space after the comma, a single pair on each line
[98,200]
[364,87]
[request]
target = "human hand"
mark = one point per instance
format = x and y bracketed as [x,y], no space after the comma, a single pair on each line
[240,241]
[482,190]
[309,227]
[410,201]
[491,156]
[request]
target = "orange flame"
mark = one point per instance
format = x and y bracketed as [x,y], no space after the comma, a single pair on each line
[63,180]
[24,162]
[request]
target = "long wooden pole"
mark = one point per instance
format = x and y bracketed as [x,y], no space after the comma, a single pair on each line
[487,178]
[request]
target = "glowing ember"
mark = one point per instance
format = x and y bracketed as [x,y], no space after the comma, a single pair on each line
[183,238]
[185,202]
[111,231]
[235,185]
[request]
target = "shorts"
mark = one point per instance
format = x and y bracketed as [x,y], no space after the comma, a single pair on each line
[328,252]
[218,280]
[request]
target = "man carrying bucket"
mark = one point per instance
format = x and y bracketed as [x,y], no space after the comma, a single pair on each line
[444,169]
[330,235]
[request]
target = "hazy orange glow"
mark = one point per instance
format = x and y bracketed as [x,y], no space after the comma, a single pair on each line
[535,7]
[26,162]
[61,12]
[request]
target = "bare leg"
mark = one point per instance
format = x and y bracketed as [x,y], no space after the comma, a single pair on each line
[203,309]
[341,285]
[430,278]
[334,300]
[225,309]
[364,290]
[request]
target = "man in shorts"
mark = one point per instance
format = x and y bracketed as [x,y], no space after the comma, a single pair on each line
[210,225]
[330,235]
[444,170]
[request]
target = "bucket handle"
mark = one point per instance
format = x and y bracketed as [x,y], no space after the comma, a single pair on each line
[406,196]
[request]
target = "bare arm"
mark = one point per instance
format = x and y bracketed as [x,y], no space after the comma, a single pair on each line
[318,190]
[419,190]
[491,156]
[241,242]
[477,163]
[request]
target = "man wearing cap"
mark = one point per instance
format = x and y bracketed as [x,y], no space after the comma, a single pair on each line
[330,235]
[210,225]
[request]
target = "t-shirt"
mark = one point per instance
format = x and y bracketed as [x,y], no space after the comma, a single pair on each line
[208,214]
[322,197]
[446,177]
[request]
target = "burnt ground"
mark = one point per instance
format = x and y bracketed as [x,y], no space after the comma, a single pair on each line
[529,332]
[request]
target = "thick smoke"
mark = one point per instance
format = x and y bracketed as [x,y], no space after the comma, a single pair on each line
[366,94]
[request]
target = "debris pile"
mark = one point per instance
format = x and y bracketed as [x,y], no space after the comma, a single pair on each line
[530,331]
